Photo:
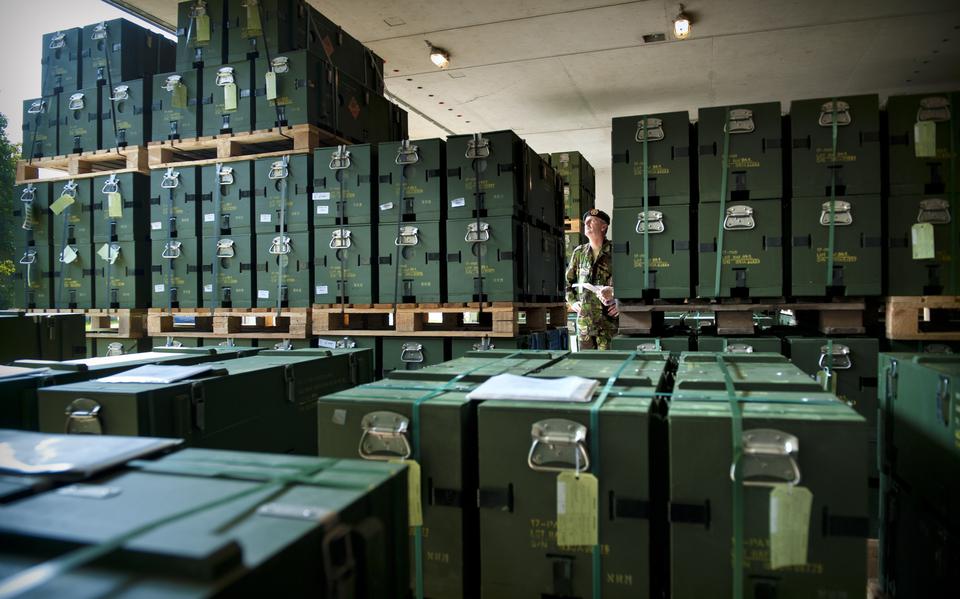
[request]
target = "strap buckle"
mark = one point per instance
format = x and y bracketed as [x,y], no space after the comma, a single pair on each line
[58,40]
[225,76]
[411,353]
[83,417]
[769,454]
[407,153]
[172,82]
[171,250]
[280,245]
[477,147]
[654,129]
[279,170]
[99,31]
[935,211]
[225,248]
[741,121]
[650,221]
[340,239]
[120,93]
[839,108]
[76,101]
[111,185]
[224,174]
[340,159]
[384,436]
[37,107]
[841,357]
[739,348]
[558,445]
[934,108]
[842,214]
[280,64]
[409,236]
[739,218]
[29,256]
[171,179]
[477,232]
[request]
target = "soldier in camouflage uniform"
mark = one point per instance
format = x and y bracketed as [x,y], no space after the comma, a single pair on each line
[593,263]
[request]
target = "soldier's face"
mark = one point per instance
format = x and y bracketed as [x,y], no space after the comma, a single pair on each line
[595,228]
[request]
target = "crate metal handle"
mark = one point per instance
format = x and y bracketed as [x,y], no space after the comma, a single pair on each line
[411,353]
[477,232]
[841,357]
[935,211]
[171,179]
[477,147]
[654,129]
[171,250]
[83,417]
[650,221]
[407,153]
[842,214]
[409,236]
[384,436]
[741,121]
[770,454]
[839,108]
[739,218]
[934,108]
[558,441]
[340,159]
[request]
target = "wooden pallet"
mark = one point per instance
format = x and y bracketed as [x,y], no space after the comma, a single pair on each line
[239,323]
[85,165]
[130,322]
[735,317]
[496,319]
[572,225]
[923,318]
[230,147]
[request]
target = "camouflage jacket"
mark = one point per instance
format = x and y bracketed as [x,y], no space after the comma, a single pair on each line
[583,268]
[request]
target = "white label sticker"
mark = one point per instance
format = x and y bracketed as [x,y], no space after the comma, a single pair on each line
[208,288]
[326,343]
[323,209]
[387,206]
[458,202]
[266,218]
[159,288]
[263,294]
[321,195]
[321,290]
[156,226]
[340,417]
[208,218]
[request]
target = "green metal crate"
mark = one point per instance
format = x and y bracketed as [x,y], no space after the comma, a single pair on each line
[270,175]
[740,345]
[60,61]
[669,231]
[191,50]
[33,277]
[129,50]
[460,346]
[668,151]
[39,128]
[923,347]
[175,269]
[72,285]
[500,164]
[230,278]
[651,344]
[360,359]
[30,214]
[932,276]
[176,342]
[752,262]
[284,267]
[755,153]
[227,100]
[100,347]
[276,23]
[174,203]
[857,164]
[857,249]
[344,185]
[128,219]
[545,263]
[478,366]
[132,104]
[122,274]
[78,128]
[305,91]
[911,174]
[543,191]
[579,186]
[363,116]
[412,353]
[338,527]
[226,198]
[417,251]
[496,247]
[176,105]
[345,264]
[75,222]
[374,344]
[413,180]
[345,52]
[570,242]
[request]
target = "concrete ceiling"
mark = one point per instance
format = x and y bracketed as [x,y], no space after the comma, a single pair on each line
[558,71]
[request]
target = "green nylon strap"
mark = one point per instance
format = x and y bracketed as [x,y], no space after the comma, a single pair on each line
[282,258]
[724,178]
[736,430]
[954,248]
[597,576]
[215,261]
[106,60]
[398,254]
[43,573]
[63,265]
[828,369]
[833,194]
[646,207]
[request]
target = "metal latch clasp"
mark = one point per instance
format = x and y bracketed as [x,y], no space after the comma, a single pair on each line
[839,108]
[279,169]
[83,417]
[120,93]
[340,239]
[224,175]
[934,108]
[225,76]
[340,159]
[172,82]
[650,221]
[280,245]
[411,353]
[171,179]
[280,64]
[28,194]
[654,129]
[842,214]
[647,347]
[477,232]
[741,121]
[407,153]
[408,236]
[739,348]
[769,455]
[558,445]
[225,248]
[70,189]
[934,211]
[37,107]
[99,31]
[477,147]
[739,218]
[111,185]
[76,101]
[29,256]
[841,357]
[171,250]
[384,436]
[58,40]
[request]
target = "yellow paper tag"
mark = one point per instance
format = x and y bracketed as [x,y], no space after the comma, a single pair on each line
[203,29]
[922,241]
[271,78]
[789,525]
[62,203]
[230,96]
[114,205]
[179,96]
[576,509]
[415,504]
[253,19]
[925,139]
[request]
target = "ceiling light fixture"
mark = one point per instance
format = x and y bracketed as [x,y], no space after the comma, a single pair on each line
[681,25]
[438,56]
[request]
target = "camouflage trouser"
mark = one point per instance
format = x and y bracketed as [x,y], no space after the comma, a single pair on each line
[599,341]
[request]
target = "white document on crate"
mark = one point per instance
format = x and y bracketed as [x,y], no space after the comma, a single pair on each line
[526,388]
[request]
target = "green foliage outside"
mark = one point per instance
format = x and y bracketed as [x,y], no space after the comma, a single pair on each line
[9,154]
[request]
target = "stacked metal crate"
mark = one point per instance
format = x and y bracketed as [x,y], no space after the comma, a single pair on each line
[579,195]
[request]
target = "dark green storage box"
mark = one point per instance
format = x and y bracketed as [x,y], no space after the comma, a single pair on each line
[122,273]
[174,203]
[284,269]
[60,61]
[413,353]
[417,251]
[911,172]
[176,265]
[412,180]
[230,277]
[305,91]
[192,49]
[127,218]
[227,101]
[929,276]
[226,198]
[345,263]
[668,230]
[132,105]
[498,158]
[668,153]
[79,125]
[755,154]
[39,127]
[73,275]
[129,50]
[495,246]
[176,105]
[270,176]
[344,185]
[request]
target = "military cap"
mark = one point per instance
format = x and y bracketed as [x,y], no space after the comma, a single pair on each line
[597,213]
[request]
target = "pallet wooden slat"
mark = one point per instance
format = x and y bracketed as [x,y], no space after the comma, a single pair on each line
[240,323]
[904,316]
[85,165]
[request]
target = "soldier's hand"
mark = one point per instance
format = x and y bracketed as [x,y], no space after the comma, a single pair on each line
[575,306]
[613,310]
